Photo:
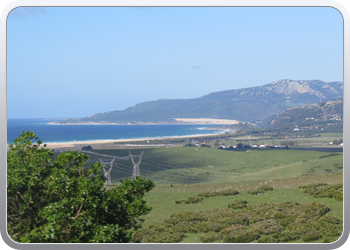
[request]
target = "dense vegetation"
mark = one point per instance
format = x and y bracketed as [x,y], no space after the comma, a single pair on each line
[61,200]
[267,223]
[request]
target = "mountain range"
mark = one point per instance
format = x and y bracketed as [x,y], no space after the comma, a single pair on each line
[326,116]
[244,105]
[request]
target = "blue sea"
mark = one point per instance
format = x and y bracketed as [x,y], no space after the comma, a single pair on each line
[79,133]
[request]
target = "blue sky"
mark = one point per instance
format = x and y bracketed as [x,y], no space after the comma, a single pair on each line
[72,62]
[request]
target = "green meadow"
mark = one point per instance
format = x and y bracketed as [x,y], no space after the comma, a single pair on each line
[195,170]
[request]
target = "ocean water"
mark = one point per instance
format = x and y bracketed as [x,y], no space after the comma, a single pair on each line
[80,133]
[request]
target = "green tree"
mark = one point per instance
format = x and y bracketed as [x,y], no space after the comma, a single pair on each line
[62,200]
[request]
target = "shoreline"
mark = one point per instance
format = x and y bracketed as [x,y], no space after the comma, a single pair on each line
[102,142]
[178,121]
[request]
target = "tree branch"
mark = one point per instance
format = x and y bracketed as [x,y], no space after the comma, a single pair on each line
[78,213]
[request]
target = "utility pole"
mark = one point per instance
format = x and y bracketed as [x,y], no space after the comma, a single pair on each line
[136,166]
[107,173]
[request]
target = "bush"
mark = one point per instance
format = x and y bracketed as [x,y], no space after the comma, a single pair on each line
[225,192]
[307,222]
[233,230]
[260,190]
[216,214]
[330,191]
[186,216]
[210,237]
[190,200]
[312,185]
[238,204]
[186,227]
[243,238]
[266,227]
[61,200]
[311,236]
[339,196]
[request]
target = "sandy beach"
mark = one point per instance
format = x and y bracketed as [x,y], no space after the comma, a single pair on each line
[104,142]
[206,121]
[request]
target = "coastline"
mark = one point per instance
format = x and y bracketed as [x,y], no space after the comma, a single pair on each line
[104,142]
[178,121]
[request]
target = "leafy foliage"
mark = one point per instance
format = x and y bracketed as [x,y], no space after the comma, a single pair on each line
[61,200]
[265,223]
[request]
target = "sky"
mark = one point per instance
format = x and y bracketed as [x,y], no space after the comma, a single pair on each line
[65,62]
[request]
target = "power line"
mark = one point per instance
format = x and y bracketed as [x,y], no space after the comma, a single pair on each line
[136,166]
[107,173]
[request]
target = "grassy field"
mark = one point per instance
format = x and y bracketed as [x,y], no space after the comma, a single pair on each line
[191,165]
[195,170]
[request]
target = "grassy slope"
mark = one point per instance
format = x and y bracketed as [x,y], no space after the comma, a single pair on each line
[206,165]
[195,170]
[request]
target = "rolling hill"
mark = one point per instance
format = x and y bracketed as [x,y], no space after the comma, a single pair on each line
[322,116]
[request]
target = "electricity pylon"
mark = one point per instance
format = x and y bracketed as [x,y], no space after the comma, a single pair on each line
[107,173]
[136,166]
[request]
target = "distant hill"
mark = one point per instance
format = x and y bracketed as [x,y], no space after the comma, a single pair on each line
[245,105]
[322,116]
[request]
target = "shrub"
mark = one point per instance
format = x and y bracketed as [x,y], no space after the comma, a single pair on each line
[266,188]
[243,238]
[266,227]
[278,237]
[331,191]
[311,236]
[339,196]
[314,209]
[190,200]
[312,185]
[186,227]
[186,216]
[205,227]
[215,214]
[238,204]
[233,230]
[329,219]
[210,237]
[330,239]
[63,200]
[260,190]
[225,192]
[307,222]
